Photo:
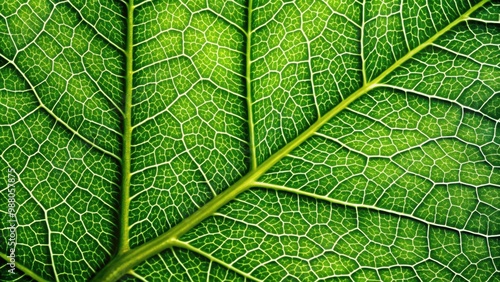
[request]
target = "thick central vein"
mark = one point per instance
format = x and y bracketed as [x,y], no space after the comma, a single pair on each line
[126,261]
[123,243]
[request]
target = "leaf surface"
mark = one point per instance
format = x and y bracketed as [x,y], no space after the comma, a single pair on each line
[251,140]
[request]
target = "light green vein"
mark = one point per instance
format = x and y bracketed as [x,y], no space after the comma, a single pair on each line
[24,269]
[123,239]
[248,75]
[362,47]
[368,207]
[427,43]
[184,245]
[127,260]
[94,28]
[53,115]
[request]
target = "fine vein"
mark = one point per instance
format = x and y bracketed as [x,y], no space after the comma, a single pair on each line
[53,115]
[24,269]
[123,262]
[187,246]
[368,207]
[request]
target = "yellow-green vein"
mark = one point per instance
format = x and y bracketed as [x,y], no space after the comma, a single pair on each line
[24,269]
[123,241]
[126,261]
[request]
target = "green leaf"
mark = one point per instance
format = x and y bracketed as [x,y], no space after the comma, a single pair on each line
[250,140]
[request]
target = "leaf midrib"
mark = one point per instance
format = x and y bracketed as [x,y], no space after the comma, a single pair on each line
[123,239]
[248,76]
[127,258]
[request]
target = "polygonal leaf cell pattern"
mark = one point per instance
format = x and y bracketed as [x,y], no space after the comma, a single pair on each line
[210,140]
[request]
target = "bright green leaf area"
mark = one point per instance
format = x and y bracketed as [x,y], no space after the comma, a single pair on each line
[210,140]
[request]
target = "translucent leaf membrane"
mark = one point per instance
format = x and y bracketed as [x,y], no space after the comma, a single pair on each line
[305,59]
[404,153]
[65,191]
[400,185]
[181,265]
[413,161]
[274,236]
[74,73]
[60,95]
[393,28]
[460,68]
[190,135]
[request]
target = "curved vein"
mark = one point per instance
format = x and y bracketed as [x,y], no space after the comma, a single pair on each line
[53,115]
[368,207]
[184,245]
[25,270]
[248,78]
[127,260]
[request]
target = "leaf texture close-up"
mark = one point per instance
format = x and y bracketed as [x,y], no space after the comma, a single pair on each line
[213,140]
